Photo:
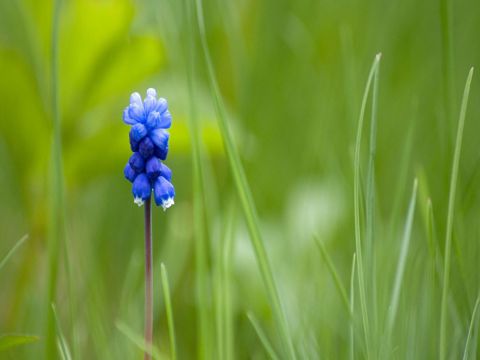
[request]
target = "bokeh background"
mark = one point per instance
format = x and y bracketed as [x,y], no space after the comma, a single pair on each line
[291,74]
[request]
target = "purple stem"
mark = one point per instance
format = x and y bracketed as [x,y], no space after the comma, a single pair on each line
[148,280]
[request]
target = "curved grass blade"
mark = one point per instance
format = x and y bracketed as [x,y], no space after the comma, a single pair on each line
[263,338]
[58,229]
[334,272]
[222,270]
[12,251]
[56,185]
[370,260]
[244,194]
[168,309]
[227,254]
[356,191]
[138,340]
[370,204]
[8,341]
[61,342]
[450,214]
[470,329]
[199,218]
[352,308]
[407,232]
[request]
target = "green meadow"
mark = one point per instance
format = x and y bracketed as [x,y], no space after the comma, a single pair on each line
[326,163]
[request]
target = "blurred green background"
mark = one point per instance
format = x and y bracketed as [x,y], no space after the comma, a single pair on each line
[291,74]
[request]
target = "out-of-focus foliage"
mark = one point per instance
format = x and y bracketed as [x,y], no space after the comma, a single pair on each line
[292,75]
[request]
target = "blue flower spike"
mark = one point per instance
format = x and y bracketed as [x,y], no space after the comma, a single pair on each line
[149,118]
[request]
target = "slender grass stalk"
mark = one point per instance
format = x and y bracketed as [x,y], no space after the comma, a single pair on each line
[12,250]
[430,233]
[139,341]
[169,311]
[407,232]
[219,298]
[244,193]
[263,338]
[370,194]
[334,272]
[61,342]
[222,269]
[148,280]
[203,324]
[223,308]
[370,258]
[227,280]
[470,329]
[57,230]
[357,206]
[352,309]
[450,214]
[432,250]
[436,261]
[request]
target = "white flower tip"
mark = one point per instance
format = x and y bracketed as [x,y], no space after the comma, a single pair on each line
[138,201]
[152,92]
[167,203]
[135,98]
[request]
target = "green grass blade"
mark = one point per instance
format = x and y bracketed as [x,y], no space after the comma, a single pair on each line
[169,311]
[352,309]
[57,239]
[450,214]
[357,209]
[138,340]
[244,194]
[371,283]
[263,338]
[204,328]
[61,342]
[370,181]
[436,261]
[470,329]
[222,288]
[407,232]
[57,184]
[227,281]
[334,272]
[219,297]
[8,341]
[12,251]
[430,225]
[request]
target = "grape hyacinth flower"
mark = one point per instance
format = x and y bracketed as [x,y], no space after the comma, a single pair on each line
[149,120]
[149,141]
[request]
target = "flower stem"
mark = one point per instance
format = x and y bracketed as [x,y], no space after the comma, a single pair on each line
[148,281]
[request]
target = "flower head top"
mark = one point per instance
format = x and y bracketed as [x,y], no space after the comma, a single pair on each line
[149,120]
